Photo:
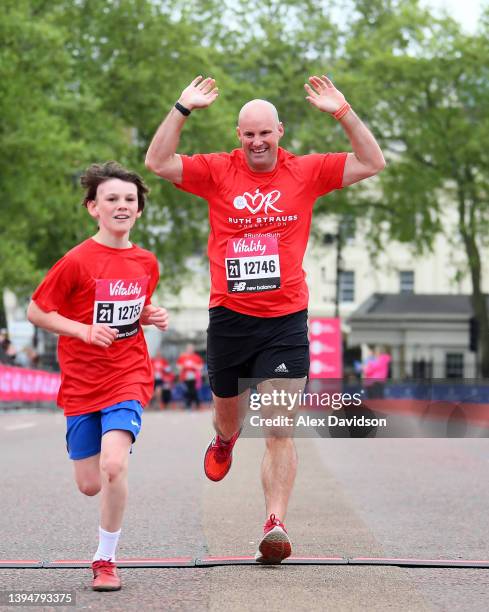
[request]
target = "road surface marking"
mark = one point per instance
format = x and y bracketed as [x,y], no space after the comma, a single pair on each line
[19,426]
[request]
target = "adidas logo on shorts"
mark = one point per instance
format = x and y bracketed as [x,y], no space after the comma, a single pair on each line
[281,369]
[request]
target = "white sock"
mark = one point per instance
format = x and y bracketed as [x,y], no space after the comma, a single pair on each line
[107,543]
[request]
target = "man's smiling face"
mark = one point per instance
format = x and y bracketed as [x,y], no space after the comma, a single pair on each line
[259,131]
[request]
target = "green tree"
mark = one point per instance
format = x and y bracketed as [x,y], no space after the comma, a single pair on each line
[425,87]
[85,82]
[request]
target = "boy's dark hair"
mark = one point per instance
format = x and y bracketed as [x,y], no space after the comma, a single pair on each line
[96,174]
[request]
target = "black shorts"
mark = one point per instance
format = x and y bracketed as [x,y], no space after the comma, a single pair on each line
[243,346]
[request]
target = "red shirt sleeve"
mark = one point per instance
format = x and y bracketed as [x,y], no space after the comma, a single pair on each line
[197,174]
[153,280]
[324,171]
[203,172]
[60,281]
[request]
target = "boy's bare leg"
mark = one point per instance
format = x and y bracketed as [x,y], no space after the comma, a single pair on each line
[87,475]
[114,459]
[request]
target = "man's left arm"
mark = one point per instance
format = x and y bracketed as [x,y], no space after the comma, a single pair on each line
[367,158]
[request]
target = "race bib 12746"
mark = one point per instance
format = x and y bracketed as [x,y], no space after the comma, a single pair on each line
[252,264]
[119,303]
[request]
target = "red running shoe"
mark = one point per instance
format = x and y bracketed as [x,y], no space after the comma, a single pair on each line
[218,457]
[275,545]
[105,577]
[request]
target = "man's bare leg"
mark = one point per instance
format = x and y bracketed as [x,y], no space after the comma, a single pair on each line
[279,465]
[229,413]
[228,418]
[278,472]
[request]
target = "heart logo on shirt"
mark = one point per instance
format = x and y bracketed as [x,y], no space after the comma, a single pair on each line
[255,202]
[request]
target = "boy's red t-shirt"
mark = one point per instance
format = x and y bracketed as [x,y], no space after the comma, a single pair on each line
[259,225]
[94,283]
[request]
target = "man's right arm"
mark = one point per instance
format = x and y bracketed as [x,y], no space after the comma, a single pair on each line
[162,157]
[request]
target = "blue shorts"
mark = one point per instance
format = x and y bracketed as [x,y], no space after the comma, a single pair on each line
[84,432]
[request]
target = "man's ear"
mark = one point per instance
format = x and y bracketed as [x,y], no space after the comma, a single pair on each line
[281,129]
[238,132]
[92,209]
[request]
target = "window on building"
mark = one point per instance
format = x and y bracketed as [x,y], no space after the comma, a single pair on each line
[347,286]
[347,228]
[422,369]
[406,281]
[454,365]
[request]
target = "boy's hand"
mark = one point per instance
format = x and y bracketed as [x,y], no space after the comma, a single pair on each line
[155,315]
[100,335]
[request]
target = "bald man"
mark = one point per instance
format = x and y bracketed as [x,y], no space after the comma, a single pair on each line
[260,200]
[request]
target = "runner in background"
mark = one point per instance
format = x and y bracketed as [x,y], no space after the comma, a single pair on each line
[168,380]
[96,298]
[260,200]
[190,366]
[159,366]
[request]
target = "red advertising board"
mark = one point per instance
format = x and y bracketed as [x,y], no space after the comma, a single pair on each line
[20,384]
[325,348]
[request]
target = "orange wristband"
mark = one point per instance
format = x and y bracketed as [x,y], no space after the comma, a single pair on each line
[341,112]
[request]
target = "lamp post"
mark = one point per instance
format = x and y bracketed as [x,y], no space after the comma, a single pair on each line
[338,239]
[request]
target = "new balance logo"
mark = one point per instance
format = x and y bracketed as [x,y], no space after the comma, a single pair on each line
[135,423]
[239,287]
[281,369]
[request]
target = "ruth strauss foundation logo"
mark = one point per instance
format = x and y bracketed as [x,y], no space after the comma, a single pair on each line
[255,202]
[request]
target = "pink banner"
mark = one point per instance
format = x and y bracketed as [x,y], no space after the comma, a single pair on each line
[19,384]
[325,348]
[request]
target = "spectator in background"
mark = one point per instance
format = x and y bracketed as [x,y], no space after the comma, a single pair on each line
[190,366]
[168,378]
[376,372]
[3,356]
[164,378]
[159,364]
[28,357]
[8,352]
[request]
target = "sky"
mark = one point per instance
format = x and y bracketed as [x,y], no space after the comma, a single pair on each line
[466,12]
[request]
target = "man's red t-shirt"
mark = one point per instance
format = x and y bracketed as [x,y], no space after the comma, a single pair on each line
[259,225]
[92,284]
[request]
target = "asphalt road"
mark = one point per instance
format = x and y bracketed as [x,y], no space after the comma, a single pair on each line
[365,497]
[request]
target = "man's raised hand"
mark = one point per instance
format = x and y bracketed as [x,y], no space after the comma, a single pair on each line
[323,94]
[199,94]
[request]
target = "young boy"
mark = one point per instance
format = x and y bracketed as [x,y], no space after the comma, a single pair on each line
[96,297]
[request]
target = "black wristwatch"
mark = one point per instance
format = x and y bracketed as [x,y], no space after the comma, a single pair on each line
[185,111]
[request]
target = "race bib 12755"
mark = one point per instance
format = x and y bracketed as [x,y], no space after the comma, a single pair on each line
[119,303]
